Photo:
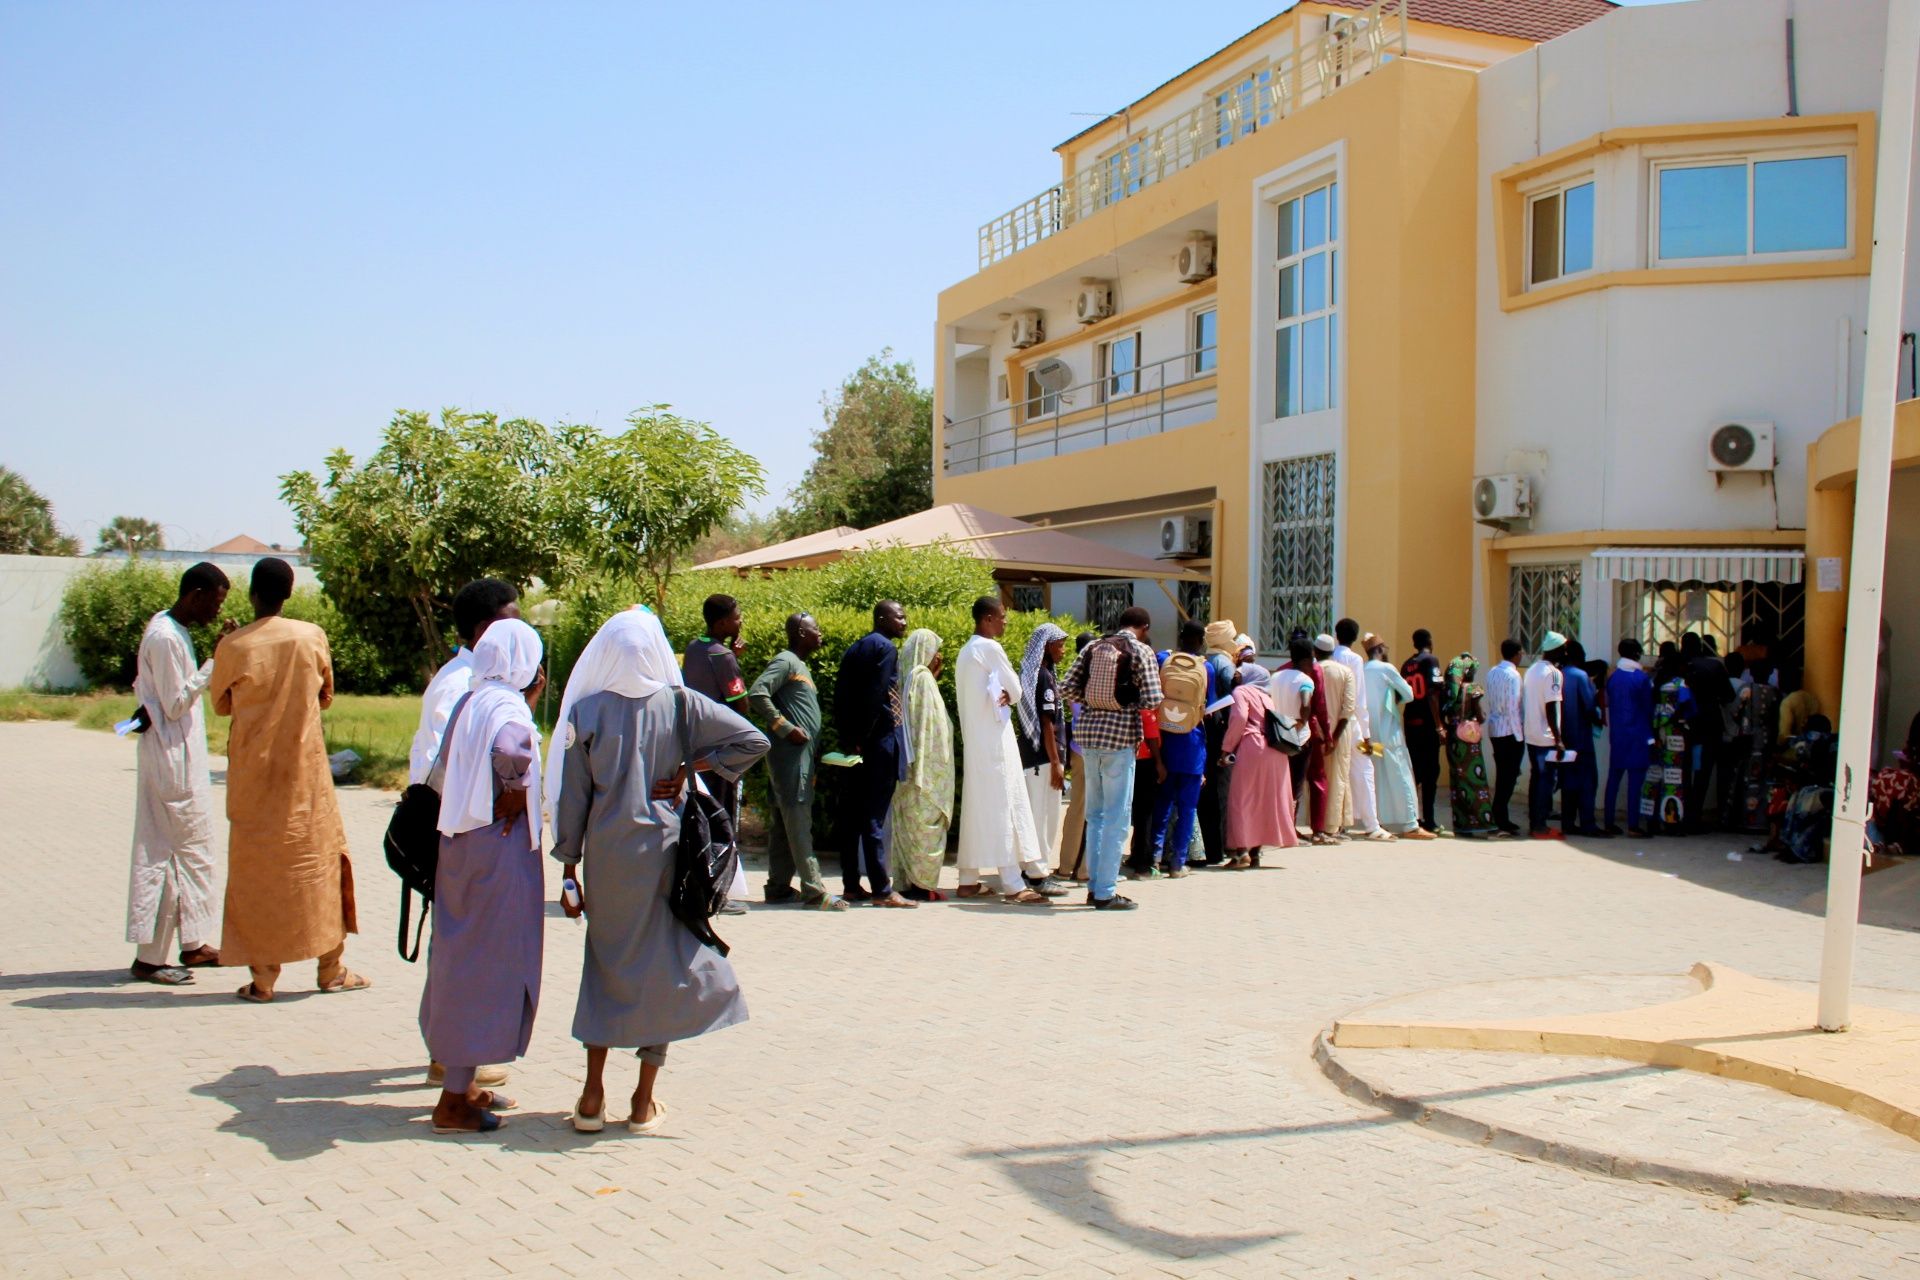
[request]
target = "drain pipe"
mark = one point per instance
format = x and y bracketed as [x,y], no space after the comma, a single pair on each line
[1793,78]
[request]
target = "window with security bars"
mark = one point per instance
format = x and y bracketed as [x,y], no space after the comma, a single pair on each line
[1542,598]
[1106,601]
[1196,600]
[1029,598]
[1299,547]
[1655,613]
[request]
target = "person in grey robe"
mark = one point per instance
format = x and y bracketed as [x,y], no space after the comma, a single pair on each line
[489,891]
[617,778]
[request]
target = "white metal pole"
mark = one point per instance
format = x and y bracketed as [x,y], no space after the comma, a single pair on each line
[1884,290]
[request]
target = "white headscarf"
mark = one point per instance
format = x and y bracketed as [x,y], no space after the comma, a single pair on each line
[505,661]
[629,656]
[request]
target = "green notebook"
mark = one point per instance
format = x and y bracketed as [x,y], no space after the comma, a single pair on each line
[840,760]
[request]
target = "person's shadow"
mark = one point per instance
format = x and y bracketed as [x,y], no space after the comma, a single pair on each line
[299,1116]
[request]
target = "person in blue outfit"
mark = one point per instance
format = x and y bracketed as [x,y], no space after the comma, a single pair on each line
[868,722]
[1580,721]
[1629,735]
[1184,753]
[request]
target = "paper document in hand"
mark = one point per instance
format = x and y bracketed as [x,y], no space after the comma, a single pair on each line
[841,760]
[1562,757]
[1224,704]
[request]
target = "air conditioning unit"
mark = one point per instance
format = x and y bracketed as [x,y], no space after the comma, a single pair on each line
[1501,499]
[1095,302]
[1182,537]
[1029,328]
[1195,259]
[1740,446]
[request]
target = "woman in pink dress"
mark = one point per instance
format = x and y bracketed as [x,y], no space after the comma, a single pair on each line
[1260,803]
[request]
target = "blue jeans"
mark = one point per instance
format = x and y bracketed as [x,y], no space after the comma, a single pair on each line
[1109,784]
[1542,777]
[1636,780]
[1173,816]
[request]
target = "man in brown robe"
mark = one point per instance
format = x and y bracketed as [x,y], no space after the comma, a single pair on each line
[289,882]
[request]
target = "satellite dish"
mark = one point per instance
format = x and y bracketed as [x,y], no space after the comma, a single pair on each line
[1053,376]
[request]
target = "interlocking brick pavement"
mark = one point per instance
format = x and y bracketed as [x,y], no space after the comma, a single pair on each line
[956,1090]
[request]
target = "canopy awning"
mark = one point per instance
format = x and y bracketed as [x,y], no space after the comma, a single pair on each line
[1018,550]
[1699,564]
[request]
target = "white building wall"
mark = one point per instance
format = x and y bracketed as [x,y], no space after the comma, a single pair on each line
[1606,399]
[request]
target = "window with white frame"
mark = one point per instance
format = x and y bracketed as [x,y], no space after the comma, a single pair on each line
[1306,330]
[1299,546]
[1123,170]
[1736,209]
[1120,367]
[1106,601]
[1041,403]
[1542,598]
[1205,338]
[1243,106]
[1560,232]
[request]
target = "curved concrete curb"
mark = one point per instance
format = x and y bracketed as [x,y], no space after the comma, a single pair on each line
[1442,1119]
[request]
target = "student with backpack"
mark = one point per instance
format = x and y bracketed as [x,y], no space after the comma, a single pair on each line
[1114,679]
[1186,686]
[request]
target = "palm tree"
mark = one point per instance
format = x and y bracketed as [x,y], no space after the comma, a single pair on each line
[26,520]
[131,534]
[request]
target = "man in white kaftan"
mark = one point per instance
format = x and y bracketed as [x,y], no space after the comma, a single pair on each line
[1361,795]
[997,835]
[170,888]
[476,606]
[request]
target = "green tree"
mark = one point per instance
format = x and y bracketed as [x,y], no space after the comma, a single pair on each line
[636,505]
[873,461]
[27,527]
[436,505]
[131,534]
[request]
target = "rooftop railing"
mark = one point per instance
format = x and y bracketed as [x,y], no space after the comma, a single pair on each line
[1153,399]
[1352,48]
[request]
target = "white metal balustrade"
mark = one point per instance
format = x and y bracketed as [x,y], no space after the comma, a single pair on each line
[1155,398]
[1352,48]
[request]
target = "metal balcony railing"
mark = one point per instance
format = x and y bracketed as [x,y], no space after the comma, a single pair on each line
[1155,398]
[1351,49]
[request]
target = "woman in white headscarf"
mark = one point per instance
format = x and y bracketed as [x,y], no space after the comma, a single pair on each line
[483,972]
[626,728]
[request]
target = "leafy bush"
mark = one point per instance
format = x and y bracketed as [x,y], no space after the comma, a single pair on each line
[105,611]
[926,577]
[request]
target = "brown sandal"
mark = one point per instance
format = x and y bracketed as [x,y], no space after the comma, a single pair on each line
[1027,898]
[254,995]
[348,982]
[201,957]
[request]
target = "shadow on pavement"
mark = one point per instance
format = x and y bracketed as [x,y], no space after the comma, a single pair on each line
[1703,860]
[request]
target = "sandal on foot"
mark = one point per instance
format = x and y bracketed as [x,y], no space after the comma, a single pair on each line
[200,958]
[588,1124]
[487,1123]
[351,982]
[649,1125]
[254,995]
[497,1101]
[1027,898]
[165,975]
[894,900]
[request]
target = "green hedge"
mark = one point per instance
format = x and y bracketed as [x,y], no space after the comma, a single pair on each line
[105,611]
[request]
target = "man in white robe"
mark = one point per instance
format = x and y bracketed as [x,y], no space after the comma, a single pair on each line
[997,835]
[1361,795]
[476,606]
[170,887]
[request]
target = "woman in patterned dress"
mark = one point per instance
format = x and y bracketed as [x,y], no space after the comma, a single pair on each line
[1472,797]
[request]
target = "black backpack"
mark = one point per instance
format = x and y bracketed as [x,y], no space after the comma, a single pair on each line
[412,843]
[706,857]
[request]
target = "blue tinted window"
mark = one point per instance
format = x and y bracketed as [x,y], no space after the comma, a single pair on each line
[1799,205]
[1577,230]
[1206,327]
[1703,212]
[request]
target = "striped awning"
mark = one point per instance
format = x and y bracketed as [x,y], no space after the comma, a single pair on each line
[1699,564]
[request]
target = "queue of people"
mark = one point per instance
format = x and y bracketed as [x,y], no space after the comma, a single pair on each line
[1111,768]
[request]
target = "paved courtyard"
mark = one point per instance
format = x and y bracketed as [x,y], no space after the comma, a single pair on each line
[957,1090]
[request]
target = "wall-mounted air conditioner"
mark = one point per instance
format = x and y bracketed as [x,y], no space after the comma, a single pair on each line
[1182,537]
[1501,499]
[1095,301]
[1740,446]
[1029,328]
[1194,262]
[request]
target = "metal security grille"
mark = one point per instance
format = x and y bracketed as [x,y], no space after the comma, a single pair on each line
[1659,612]
[1299,547]
[1196,600]
[1029,599]
[1543,598]
[1106,601]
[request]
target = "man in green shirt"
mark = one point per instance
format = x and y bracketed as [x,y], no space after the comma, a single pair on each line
[785,700]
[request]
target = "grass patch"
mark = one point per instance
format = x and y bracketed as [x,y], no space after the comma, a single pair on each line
[378,727]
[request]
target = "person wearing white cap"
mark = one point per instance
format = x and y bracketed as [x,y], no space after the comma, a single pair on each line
[1540,695]
[1342,709]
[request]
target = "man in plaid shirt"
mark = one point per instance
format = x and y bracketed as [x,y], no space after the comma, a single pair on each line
[1107,740]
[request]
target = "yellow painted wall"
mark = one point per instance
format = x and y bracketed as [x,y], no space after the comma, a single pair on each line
[1408,259]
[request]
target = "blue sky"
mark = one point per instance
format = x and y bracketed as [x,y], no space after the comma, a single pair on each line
[234,237]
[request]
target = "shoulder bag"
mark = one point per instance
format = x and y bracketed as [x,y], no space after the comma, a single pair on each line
[412,841]
[706,856]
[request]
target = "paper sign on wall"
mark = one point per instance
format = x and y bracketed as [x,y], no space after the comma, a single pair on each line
[1827,573]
